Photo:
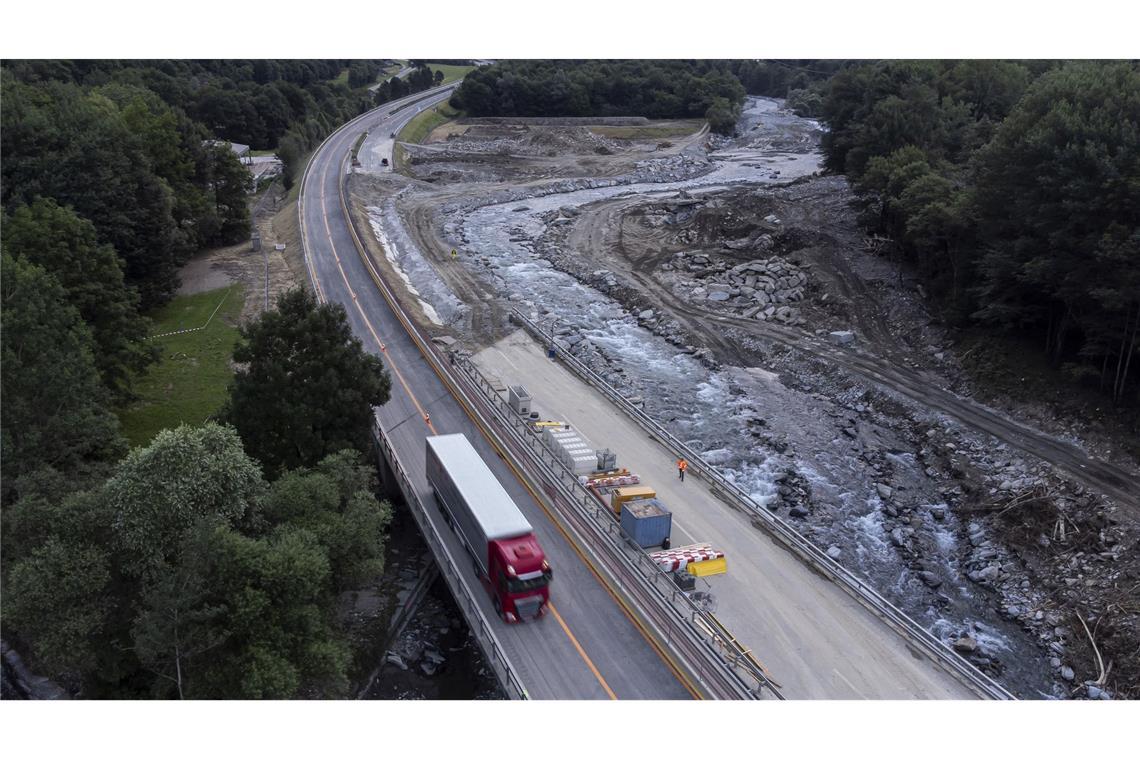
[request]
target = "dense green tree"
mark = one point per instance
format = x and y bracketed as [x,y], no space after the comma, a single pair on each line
[277,630]
[55,407]
[307,388]
[229,184]
[1012,187]
[183,476]
[66,245]
[361,74]
[722,116]
[180,620]
[56,598]
[654,89]
[991,87]
[336,503]
[1058,198]
[74,146]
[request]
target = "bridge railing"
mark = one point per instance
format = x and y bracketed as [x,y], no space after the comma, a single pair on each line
[914,633]
[480,626]
[696,646]
[721,664]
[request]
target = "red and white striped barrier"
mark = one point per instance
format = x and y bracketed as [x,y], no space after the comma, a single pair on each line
[676,559]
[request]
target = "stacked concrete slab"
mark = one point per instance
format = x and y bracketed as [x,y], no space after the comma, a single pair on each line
[571,449]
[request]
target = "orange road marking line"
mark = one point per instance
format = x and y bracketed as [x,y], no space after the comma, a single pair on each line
[582,652]
[427,420]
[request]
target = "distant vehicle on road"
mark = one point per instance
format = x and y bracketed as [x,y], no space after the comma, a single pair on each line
[383,162]
[508,557]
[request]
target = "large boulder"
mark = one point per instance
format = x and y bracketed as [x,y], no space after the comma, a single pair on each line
[841,337]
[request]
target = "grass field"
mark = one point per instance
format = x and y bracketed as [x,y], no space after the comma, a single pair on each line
[189,382]
[390,71]
[651,131]
[450,73]
[417,130]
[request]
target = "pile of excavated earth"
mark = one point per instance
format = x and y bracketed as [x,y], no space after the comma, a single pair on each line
[725,286]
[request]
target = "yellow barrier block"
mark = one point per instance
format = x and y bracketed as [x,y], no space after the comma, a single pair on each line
[708,567]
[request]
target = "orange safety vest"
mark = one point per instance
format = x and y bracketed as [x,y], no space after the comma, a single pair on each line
[682,464]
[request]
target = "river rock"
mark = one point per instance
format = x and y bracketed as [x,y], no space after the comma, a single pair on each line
[884,490]
[1067,673]
[834,552]
[966,644]
[930,579]
[841,337]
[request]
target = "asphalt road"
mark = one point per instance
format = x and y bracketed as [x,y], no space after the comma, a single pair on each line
[588,647]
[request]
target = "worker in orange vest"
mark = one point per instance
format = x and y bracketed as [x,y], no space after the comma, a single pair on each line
[682,465]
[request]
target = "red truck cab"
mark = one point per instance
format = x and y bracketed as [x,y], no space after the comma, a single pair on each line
[520,577]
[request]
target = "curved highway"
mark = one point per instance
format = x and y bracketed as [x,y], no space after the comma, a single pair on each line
[588,647]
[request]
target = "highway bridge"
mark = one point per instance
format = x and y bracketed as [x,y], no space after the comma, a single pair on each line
[611,632]
[617,628]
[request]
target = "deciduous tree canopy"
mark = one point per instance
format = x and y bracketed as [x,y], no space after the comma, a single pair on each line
[1014,188]
[64,244]
[55,407]
[186,575]
[308,387]
[654,89]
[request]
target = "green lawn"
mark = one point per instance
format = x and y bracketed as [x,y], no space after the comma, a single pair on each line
[417,130]
[450,73]
[189,381]
[651,131]
[390,71]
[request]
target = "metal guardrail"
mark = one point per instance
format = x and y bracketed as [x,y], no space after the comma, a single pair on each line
[480,626]
[479,623]
[347,125]
[700,641]
[718,673]
[915,634]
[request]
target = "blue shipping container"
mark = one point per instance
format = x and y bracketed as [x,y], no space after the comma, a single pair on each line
[646,521]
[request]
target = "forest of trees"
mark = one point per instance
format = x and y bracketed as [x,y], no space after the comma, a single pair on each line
[1013,188]
[801,82]
[283,105]
[654,89]
[208,562]
[420,78]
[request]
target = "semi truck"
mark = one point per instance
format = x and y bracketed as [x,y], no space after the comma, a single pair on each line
[508,558]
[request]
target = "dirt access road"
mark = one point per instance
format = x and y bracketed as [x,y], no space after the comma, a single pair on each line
[599,228]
